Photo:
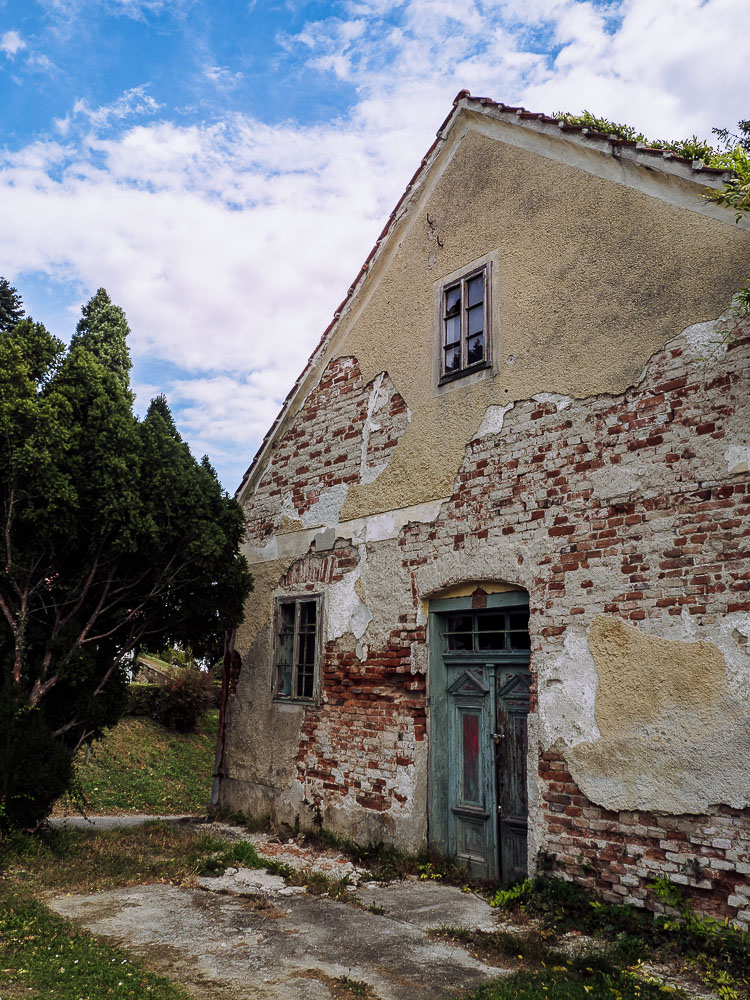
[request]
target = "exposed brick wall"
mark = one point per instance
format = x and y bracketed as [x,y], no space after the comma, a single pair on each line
[324,446]
[677,546]
[618,853]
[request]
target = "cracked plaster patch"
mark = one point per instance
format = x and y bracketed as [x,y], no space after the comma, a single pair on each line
[737,458]
[674,737]
[560,402]
[492,421]
[346,610]
[567,686]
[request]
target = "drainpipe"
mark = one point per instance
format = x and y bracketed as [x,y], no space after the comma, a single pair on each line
[225,682]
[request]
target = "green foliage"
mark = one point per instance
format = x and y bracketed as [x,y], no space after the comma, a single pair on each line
[139,766]
[184,700]
[11,306]
[114,535]
[42,954]
[716,946]
[734,155]
[103,331]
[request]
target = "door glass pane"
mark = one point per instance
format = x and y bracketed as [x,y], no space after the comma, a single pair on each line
[470,753]
[519,624]
[459,633]
[475,290]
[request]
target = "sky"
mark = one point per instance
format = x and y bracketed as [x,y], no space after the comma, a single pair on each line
[223,167]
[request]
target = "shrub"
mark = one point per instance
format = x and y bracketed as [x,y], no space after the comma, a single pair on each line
[184,700]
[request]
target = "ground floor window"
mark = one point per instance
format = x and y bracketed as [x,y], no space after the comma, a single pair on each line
[297,647]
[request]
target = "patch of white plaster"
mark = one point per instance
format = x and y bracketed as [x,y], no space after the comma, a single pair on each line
[325,513]
[738,458]
[492,422]
[361,651]
[627,478]
[373,528]
[706,340]
[567,686]
[379,527]
[262,553]
[560,402]
[378,398]
[403,784]
[346,612]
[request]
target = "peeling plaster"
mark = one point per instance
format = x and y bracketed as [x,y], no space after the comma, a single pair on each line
[704,340]
[346,611]
[560,402]
[566,687]
[674,738]
[326,511]
[738,458]
[492,422]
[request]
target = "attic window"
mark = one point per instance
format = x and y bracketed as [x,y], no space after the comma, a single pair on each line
[464,319]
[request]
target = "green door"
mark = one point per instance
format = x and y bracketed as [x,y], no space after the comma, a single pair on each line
[479,703]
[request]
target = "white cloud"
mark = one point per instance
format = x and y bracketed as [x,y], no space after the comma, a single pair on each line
[11,43]
[133,102]
[230,243]
[222,76]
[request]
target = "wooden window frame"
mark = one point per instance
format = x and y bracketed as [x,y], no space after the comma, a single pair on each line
[485,269]
[297,601]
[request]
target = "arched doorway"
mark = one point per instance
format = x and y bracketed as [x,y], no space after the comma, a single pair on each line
[479,703]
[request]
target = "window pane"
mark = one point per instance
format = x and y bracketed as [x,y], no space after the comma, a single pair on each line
[475,318]
[453,300]
[520,640]
[491,631]
[284,683]
[519,620]
[475,290]
[452,359]
[305,683]
[475,350]
[307,614]
[453,329]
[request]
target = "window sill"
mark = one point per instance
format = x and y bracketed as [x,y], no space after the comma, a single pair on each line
[455,376]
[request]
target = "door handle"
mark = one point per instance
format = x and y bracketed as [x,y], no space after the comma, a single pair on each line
[497,737]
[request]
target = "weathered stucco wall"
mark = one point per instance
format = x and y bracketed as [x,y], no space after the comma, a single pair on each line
[603,467]
[578,257]
[639,620]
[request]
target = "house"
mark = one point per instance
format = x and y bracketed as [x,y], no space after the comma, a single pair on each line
[499,530]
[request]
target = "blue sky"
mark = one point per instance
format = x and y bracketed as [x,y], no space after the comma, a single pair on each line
[224,167]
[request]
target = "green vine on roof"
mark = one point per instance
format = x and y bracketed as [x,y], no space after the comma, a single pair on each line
[732,153]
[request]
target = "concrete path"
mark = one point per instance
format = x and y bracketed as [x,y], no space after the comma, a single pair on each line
[246,935]
[262,945]
[113,822]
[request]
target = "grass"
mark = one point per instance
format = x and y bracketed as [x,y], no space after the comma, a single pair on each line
[141,767]
[44,956]
[565,984]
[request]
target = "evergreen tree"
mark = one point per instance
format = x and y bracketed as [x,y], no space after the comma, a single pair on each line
[11,306]
[103,331]
[113,536]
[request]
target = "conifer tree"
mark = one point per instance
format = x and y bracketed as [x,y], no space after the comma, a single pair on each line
[11,306]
